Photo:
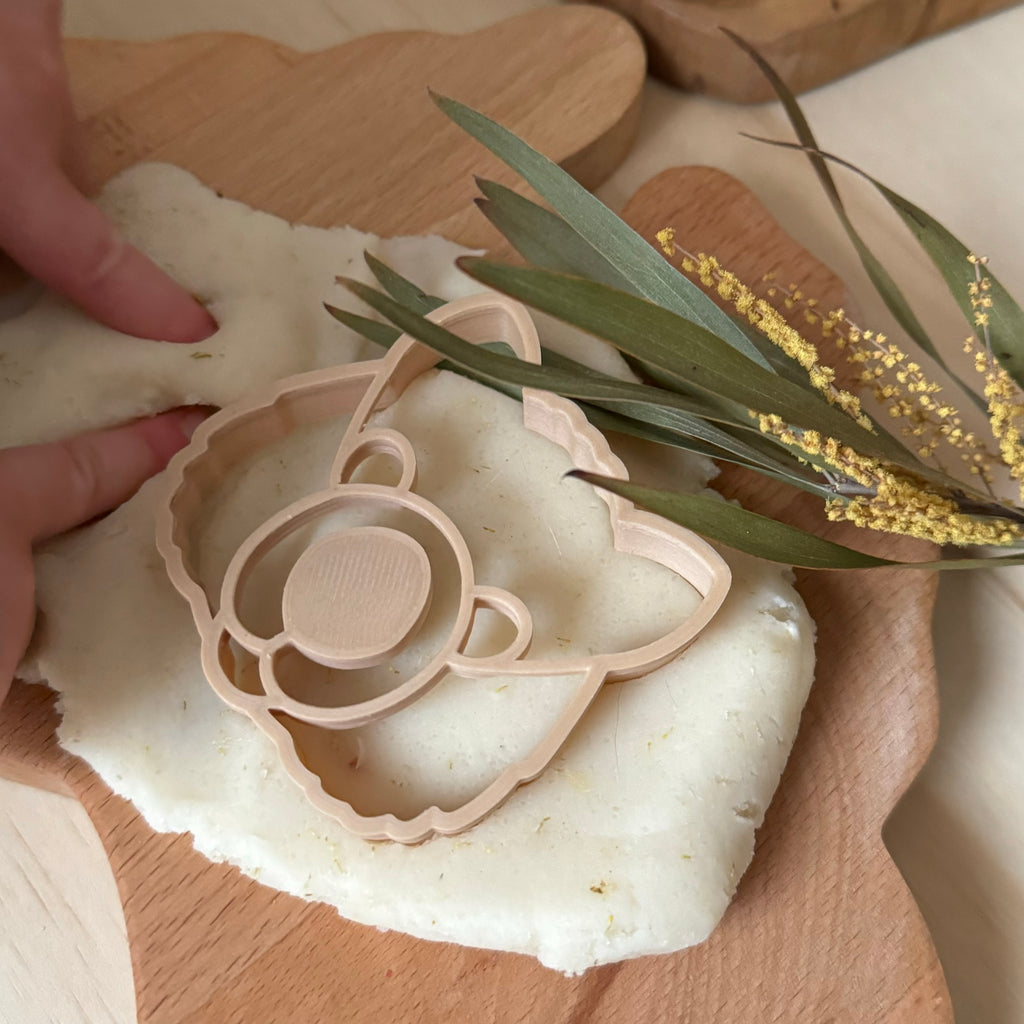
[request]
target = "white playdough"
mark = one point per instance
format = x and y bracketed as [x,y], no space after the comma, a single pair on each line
[631,843]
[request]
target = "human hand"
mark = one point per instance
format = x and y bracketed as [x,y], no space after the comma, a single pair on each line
[46,225]
[51,230]
[49,488]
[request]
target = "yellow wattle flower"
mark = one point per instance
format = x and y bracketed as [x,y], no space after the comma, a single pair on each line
[880,496]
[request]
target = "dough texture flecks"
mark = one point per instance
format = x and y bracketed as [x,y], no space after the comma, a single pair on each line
[634,839]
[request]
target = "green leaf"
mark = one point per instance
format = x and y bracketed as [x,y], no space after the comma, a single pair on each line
[989,562]
[682,350]
[949,254]
[631,255]
[736,527]
[793,474]
[746,447]
[650,423]
[385,335]
[766,538]
[545,239]
[718,520]
[647,429]
[878,275]
[692,403]
[660,409]
[373,330]
[401,289]
[647,422]
[719,443]
[412,297]
[494,368]
[795,115]
[680,414]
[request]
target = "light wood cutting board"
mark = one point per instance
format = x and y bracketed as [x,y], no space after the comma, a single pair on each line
[809,42]
[822,928]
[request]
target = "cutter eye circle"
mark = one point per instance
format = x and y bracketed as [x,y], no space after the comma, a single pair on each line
[356,596]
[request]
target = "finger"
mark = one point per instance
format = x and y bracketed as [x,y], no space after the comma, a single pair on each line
[49,488]
[17,608]
[58,236]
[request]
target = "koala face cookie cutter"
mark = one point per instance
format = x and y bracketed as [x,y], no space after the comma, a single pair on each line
[357,595]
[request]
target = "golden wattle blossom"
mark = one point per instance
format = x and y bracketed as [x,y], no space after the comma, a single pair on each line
[869,492]
[1005,401]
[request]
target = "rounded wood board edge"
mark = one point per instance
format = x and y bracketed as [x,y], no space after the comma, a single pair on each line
[569,79]
[809,42]
[872,718]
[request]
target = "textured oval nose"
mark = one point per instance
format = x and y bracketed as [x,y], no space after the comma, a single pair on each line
[355,597]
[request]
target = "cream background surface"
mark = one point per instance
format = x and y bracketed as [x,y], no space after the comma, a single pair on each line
[941,123]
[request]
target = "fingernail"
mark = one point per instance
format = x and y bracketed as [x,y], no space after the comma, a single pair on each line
[205,325]
[208,325]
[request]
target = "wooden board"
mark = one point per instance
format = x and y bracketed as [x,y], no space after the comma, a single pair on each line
[348,135]
[822,927]
[810,42]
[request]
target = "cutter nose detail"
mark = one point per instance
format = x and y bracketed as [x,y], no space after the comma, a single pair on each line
[357,596]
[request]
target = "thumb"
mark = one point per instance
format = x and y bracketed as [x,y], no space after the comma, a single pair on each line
[50,229]
[49,488]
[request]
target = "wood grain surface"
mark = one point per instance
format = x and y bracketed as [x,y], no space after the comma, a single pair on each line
[809,42]
[348,135]
[822,928]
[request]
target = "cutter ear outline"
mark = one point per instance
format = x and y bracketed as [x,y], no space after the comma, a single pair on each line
[360,390]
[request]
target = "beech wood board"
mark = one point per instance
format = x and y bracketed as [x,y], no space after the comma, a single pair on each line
[822,928]
[809,42]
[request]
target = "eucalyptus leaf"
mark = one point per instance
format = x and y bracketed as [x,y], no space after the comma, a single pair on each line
[681,414]
[608,420]
[1006,318]
[630,254]
[721,443]
[646,422]
[989,562]
[729,414]
[373,330]
[950,256]
[543,238]
[734,526]
[650,423]
[729,524]
[498,369]
[400,288]
[642,403]
[645,406]
[385,335]
[767,538]
[685,403]
[682,350]
[883,282]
